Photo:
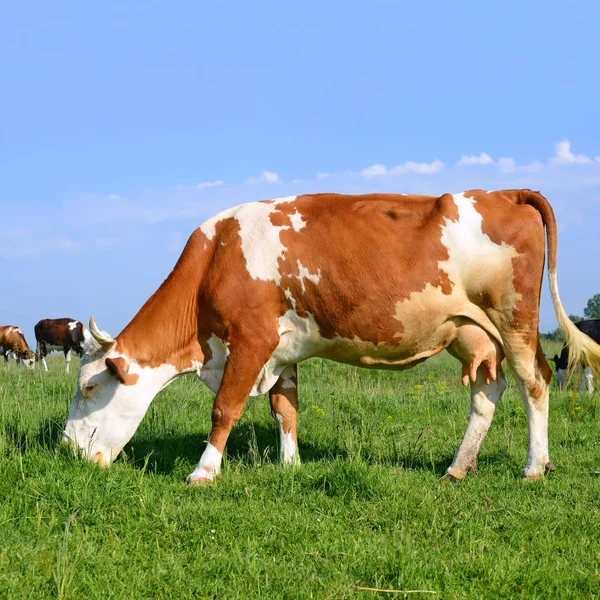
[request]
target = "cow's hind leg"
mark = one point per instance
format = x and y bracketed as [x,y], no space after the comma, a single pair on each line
[246,359]
[480,356]
[533,375]
[284,407]
[67,352]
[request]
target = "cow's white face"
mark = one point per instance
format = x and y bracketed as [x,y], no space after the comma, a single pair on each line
[110,401]
[29,362]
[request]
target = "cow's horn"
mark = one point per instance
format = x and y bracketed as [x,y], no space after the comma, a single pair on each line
[103,338]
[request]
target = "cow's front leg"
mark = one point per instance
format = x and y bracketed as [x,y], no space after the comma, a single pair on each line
[284,408]
[484,398]
[241,371]
[67,359]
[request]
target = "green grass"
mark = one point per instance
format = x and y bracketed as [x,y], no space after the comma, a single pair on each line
[367,507]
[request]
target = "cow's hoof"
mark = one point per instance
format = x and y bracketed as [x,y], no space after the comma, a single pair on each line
[198,481]
[529,474]
[201,476]
[532,474]
[453,475]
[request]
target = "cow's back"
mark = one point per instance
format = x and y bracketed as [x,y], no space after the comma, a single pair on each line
[59,332]
[367,267]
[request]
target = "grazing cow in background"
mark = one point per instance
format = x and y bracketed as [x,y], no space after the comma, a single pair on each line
[59,334]
[13,343]
[591,327]
[379,281]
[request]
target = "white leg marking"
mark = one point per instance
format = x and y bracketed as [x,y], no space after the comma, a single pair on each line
[589,378]
[484,398]
[288,451]
[44,363]
[209,465]
[537,422]
[67,361]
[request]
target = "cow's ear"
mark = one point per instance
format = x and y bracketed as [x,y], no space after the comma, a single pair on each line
[118,368]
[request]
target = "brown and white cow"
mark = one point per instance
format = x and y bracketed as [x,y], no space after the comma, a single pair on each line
[60,334]
[378,281]
[13,343]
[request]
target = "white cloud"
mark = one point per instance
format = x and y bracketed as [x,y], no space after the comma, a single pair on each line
[265,176]
[563,155]
[506,164]
[535,166]
[414,167]
[208,184]
[407,167]
[114,197]
[270,177]
[482,159]
[321,176]
[374,171]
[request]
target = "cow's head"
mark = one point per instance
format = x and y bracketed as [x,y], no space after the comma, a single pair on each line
[560,366]
[113,393]
[28,359]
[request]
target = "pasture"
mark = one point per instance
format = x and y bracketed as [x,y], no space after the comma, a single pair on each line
[367,509]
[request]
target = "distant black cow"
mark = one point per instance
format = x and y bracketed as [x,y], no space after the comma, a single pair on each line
[60,334]
[591,328]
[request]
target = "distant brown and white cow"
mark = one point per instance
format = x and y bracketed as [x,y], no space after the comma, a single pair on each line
[378,281]
[60,334]
[12,342]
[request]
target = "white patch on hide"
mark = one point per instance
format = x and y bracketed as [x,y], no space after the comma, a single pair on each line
[288,449]
[290,298]
[473,259]
[469,249]
[72,325]
[261,245]
[211,372]
[288,383]
[304,273]
[297,222]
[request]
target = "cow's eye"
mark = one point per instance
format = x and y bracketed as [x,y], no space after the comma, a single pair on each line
[88,388]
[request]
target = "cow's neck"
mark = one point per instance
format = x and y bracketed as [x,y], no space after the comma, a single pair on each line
[165,330]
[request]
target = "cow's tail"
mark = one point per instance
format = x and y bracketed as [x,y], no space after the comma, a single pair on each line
[581,347]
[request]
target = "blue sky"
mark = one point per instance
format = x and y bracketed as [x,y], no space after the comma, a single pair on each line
[124,125]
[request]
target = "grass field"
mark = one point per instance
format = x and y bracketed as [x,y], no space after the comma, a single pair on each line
[366,509]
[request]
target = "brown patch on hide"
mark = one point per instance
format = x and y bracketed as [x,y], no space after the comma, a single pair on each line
[280,219]
[119,369]
[370,252]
